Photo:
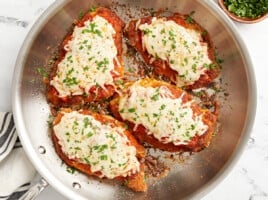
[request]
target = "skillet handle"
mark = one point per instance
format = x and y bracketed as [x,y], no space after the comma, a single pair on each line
[35,190]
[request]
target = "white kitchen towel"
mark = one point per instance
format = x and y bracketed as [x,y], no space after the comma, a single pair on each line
[16,171]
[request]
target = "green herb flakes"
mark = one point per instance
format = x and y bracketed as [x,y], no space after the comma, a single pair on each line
[247,8]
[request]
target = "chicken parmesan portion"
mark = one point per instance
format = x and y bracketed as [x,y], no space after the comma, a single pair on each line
[90,60]
[164,116]
[176,47]
[99,145]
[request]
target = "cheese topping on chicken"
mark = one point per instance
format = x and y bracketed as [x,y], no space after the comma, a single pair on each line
[89,59]
[103,147]
[180,47]
[169,119]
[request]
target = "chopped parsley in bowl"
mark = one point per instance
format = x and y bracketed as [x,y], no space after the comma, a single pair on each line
[246,11]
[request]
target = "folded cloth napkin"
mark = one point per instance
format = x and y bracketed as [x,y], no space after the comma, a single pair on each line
[16,171]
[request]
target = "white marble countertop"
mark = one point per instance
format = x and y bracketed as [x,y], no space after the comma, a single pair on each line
[247,180]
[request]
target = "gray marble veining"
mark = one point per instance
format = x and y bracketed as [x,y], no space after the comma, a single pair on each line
[13,21]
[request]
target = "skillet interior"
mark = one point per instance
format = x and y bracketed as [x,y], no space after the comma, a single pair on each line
[192,178]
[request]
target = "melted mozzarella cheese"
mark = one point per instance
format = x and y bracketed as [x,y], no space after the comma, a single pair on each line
[179,46]
[89,59]
[166,117]
[104,148]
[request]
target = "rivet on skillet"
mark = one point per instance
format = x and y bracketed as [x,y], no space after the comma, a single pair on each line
[76,185]
[42,150]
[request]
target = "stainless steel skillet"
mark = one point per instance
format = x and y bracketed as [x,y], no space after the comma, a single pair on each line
[190,179]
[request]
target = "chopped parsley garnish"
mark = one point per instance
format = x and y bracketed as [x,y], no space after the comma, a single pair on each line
[103,157]
[131,69]
[42,71]
[80,14]
[217,58]
[92,9]
[131,110]
[69,81]
[163,106]
[155,97]
[119,82]
[50,121]
[210,66]
[147,31]
[70,170]
[189,18]
[86,122]
[89,134]
[102,64]
[87,161]
[100,148]
[194,67]
[92,29]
